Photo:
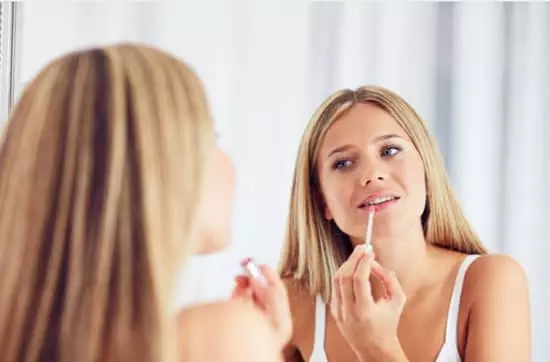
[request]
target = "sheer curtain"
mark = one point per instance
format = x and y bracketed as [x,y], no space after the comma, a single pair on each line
[479,73]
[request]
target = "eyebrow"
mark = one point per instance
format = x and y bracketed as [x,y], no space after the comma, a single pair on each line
[377,139]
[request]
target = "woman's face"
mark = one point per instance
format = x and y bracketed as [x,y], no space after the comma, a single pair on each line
[217,202]
[366,159]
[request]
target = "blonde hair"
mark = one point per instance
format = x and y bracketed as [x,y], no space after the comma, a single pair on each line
[100,175]
[314,248]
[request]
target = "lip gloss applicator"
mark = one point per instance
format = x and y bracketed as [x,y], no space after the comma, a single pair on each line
[368,235]
[253,271]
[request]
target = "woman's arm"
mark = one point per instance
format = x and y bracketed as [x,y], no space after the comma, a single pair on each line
[499,327]
[228,331]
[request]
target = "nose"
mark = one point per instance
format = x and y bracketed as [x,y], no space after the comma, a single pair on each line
[372,173]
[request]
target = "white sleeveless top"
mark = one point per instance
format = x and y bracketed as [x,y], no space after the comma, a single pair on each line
[449,350]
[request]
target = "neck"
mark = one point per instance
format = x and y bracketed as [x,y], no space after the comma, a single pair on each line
[407,255]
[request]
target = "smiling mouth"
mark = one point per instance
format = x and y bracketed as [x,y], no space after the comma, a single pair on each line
[378,201]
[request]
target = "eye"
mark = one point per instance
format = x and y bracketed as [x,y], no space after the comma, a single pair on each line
[342,164]
[390,151]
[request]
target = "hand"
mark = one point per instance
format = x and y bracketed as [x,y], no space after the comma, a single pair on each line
[369,325]
[272,299]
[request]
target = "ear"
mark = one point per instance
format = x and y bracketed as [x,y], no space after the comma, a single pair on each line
[425,215]
[328,214]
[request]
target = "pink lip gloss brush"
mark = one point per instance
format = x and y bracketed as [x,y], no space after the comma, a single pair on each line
[368,234]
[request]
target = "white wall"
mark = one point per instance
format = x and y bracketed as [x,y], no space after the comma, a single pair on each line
[246,96]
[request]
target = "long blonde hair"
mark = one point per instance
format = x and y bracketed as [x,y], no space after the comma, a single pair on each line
[100,174]
[314,248]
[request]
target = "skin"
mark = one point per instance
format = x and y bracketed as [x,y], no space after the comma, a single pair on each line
[361,324]
[242,328]
[218,191]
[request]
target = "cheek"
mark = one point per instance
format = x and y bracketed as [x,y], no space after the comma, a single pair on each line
[227,179]
[337,191]
[219,192]
[217,203]
[219,182]
[415,182]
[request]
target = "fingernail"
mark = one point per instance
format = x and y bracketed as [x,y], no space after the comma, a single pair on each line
[367,249]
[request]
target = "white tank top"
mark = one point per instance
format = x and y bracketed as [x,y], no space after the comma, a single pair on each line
[449,350]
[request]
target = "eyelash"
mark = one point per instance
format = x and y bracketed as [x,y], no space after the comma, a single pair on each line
[337,165]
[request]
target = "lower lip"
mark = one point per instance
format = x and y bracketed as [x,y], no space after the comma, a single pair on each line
[382,206]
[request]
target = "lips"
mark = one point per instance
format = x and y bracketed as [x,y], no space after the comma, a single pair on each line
[377,199]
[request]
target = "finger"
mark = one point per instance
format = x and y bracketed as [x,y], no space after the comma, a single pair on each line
[271,277]
[348,267]
[242,287]
[361,285]
[242,280]
[272,287]
[358,252]
[270,292]
[398,294]
[390,282]
[382,275]
[347,296]
[261,294]
[346,275]
[270,295]
[336,300]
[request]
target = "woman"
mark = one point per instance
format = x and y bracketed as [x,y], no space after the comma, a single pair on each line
[110,177]
[429,291]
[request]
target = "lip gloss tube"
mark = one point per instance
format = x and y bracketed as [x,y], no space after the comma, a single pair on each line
[252,269]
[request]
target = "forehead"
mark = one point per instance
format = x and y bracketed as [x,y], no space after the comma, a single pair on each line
[361,124]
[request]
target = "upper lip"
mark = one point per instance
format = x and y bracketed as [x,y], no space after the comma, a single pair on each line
[376,195]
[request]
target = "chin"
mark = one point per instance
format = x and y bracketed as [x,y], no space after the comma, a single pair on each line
[211,244]
[210,249]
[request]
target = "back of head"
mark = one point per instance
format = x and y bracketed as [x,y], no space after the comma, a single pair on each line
[314,247]
[100,174]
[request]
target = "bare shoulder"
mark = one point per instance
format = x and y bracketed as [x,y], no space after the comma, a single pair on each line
[499,326]
[227,331]
[295,289]
[299,298]
[495,274]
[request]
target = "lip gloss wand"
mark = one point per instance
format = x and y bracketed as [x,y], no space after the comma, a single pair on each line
[369,249]
[253,271]
[368,235]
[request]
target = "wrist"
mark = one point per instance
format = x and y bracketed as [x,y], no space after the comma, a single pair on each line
[396,355]
[390,351]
